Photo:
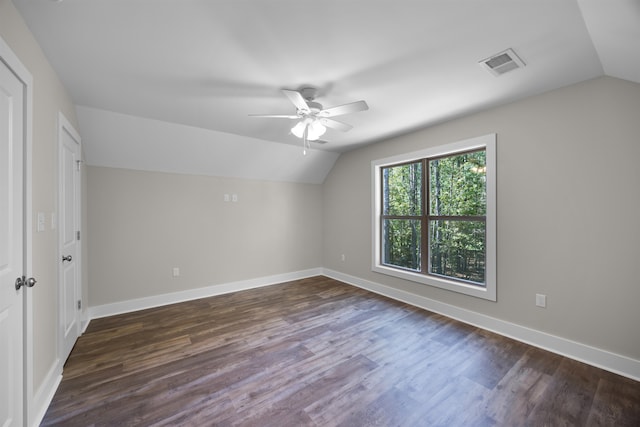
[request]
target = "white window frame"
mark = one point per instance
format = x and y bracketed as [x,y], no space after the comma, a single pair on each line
[486,142]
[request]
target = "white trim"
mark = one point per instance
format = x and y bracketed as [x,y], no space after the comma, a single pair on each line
[85,321]
[13,62]
[43,397]
[192,294]
[604,359]
[64,123]
[488,142]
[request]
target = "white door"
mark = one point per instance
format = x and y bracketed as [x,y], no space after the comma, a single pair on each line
[69,236]
[11,247]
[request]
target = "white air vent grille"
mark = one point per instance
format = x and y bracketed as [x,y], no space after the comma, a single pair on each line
[502,62]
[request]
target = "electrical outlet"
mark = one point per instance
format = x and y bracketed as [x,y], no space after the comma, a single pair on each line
[176,271]
[541,300]
[343,258]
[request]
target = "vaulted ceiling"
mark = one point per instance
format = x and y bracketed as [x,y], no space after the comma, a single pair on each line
[169,85]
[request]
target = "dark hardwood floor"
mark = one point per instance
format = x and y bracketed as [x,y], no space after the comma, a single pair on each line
[317,352]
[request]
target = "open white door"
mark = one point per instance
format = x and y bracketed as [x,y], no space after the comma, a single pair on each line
[12,266]
[69,236]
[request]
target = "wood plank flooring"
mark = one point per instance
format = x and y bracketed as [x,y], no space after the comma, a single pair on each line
[317,352]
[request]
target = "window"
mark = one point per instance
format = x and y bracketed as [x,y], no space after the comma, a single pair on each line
[434,216]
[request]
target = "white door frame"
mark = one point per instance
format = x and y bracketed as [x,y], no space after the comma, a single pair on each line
[13,62]
[64,126]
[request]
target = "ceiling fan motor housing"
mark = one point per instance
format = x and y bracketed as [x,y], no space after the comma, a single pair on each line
[309,93]
[314,107]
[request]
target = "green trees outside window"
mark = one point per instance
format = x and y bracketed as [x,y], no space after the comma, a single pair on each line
[433,216]
[402,211]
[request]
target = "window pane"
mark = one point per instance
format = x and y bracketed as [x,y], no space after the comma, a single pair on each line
[458,185]
[457,249]
[401,189]
[401,243]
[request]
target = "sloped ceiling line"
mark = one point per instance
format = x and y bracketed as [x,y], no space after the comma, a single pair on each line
[183,77]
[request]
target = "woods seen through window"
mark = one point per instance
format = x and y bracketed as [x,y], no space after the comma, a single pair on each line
[433,216]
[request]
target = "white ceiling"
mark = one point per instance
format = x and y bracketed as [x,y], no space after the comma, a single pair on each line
[169,69]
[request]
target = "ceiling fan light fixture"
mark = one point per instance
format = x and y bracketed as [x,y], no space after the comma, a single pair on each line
[314,130]
[298,129]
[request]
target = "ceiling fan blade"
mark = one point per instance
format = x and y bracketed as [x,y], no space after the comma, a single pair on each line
[334,124]
[339,110]
[275,116]
[296,98]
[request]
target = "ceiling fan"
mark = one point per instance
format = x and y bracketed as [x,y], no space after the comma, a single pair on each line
[313,119]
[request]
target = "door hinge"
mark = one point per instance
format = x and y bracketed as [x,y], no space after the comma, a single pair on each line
[78,165]
[78,235]
[79,304]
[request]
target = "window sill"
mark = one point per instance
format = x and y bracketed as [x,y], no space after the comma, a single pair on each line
[438,282]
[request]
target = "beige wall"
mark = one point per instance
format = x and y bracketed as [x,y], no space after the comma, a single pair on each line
[142,224]
[49,98]
[568,209]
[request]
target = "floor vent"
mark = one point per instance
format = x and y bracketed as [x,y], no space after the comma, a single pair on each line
[502,62]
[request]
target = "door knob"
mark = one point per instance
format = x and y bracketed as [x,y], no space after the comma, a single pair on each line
[66,258]
[23,281]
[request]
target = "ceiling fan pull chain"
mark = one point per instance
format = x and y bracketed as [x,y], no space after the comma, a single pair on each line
[305,142]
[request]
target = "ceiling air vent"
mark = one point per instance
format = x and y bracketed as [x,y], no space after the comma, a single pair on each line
[502,62]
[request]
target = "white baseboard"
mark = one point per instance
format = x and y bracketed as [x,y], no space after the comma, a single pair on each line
[43,397]
[612,362]
[609,361]
[191,294]
[84,321]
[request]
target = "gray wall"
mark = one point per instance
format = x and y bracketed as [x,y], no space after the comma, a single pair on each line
[142,224]
[568,208]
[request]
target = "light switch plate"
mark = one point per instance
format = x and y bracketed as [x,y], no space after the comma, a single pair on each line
[40,226]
